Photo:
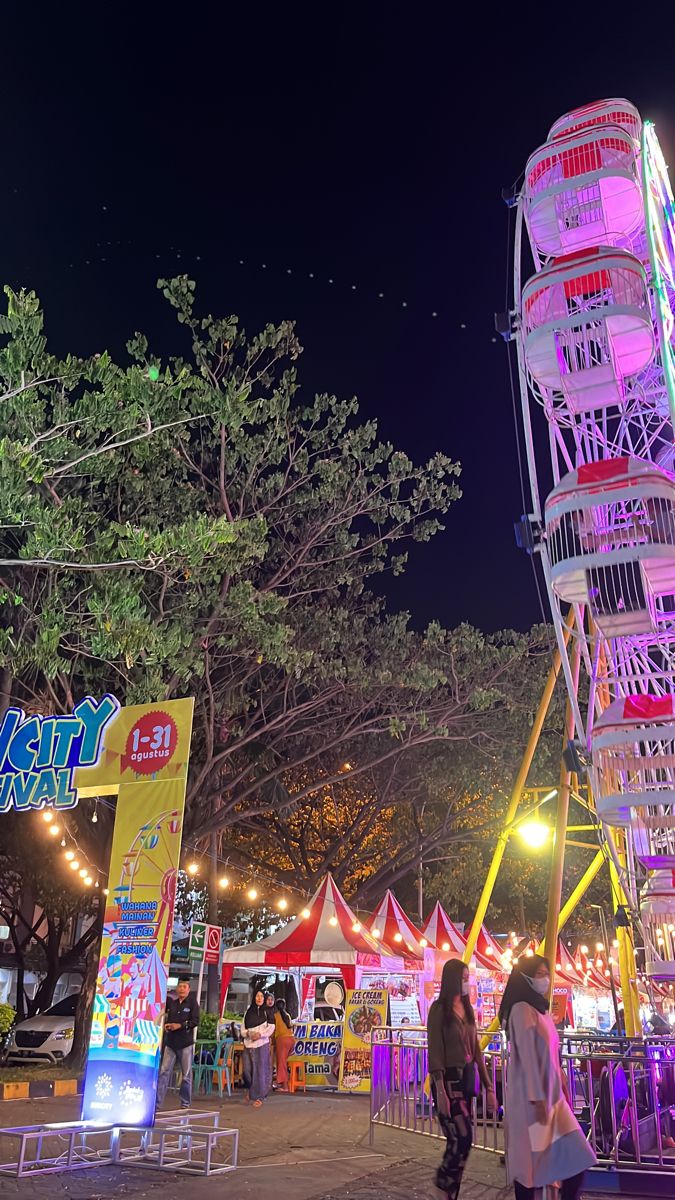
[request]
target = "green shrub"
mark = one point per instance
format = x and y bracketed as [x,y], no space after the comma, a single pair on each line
[207,1026]
[7,1018]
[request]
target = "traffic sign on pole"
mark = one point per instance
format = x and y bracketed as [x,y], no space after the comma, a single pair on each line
[197,939]
[213,940]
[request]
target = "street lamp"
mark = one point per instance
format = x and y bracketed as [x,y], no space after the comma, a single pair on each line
[535,834]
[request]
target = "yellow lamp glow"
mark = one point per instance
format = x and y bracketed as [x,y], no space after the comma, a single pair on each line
[535,834]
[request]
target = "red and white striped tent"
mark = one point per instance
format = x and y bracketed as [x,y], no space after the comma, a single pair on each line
[444,935]
[396,930]
[329,936]
[488,947]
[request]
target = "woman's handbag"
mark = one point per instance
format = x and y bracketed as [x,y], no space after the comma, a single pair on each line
[470,1080]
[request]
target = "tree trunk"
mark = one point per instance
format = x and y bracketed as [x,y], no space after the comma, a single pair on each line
[85,1004]
[20,993]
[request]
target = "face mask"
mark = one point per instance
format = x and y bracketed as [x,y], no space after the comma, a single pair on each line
[541,984]
[466,989]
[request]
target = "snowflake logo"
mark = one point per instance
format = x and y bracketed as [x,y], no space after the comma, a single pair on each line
[103,1086]
[130,1094]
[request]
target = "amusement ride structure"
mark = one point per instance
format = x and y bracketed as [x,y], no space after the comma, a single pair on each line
[593,324]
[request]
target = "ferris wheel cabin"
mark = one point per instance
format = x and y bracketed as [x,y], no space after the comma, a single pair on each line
[587,326]
[657,910]
[633,756]
[610,531]
[584,190]
[601,112]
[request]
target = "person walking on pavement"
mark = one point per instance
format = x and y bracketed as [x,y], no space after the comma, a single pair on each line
[545,1144]
[258,1029]
[457,1068]
[182,1018]
[284,1041]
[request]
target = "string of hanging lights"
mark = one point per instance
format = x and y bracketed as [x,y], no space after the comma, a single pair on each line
[105,252]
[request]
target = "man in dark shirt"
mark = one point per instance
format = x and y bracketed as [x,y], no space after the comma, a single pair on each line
[182,1018]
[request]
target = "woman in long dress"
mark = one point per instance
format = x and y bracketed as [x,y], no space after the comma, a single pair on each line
[544,1141]
[258,1030]
[454,1048]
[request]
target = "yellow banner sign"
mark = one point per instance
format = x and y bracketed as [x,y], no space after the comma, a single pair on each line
[146,742]
[365,1012]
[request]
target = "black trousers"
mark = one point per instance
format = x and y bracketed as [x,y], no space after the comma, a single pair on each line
[457,1131]
[569,1188]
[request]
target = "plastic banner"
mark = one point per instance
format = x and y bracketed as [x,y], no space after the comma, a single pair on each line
[365,1013]
[126,1033]
[317,1046]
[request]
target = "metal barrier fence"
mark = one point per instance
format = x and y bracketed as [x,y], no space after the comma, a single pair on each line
[621,1090]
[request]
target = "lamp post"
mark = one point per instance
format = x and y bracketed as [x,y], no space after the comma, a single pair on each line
[615,999]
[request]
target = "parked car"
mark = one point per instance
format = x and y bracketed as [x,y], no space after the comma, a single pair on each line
[46,1038]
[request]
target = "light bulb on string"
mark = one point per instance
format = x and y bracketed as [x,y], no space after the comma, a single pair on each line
[224,881]
[54,830]
[252,894]
[305,913]
[333,921]
[94,815]
[69,855]
[63,842]
[193,868]
[83,872]
[282,904]
[74,865]
[48,815]
[88,880]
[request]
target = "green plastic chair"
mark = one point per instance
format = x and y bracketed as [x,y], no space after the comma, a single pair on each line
[222,1066]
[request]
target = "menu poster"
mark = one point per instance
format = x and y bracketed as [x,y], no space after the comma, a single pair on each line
[405,1012]
[365,1013]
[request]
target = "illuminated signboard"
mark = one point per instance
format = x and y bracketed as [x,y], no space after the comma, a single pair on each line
[38,755]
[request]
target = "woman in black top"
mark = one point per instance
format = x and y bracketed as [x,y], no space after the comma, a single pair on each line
[454,1055]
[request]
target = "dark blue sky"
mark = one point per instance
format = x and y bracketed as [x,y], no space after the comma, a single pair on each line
[364,143]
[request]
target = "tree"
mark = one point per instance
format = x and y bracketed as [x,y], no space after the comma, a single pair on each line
[41,906]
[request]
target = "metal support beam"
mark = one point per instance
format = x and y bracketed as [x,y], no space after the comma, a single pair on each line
[516,796]
[562,815]
[565,914]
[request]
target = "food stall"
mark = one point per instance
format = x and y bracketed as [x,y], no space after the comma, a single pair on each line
[326,939]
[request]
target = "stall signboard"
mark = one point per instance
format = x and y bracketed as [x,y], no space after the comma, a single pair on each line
[365,1014]
[560,1004]
[317,1047]
[126,1033]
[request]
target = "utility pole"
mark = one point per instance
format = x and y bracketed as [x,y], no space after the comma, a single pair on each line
[420,888]
[213,975]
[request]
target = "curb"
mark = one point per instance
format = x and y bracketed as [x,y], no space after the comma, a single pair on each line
[35,1089]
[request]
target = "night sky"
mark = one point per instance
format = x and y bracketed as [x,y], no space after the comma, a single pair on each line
[367,145]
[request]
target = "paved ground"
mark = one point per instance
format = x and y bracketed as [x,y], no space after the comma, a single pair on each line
[295,1148]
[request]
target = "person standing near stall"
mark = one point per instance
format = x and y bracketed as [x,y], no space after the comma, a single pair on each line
[284,1041]
[545,1144]
[258,1029]
[457,1069]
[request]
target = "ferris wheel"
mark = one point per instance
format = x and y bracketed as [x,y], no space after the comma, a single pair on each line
[593,325]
